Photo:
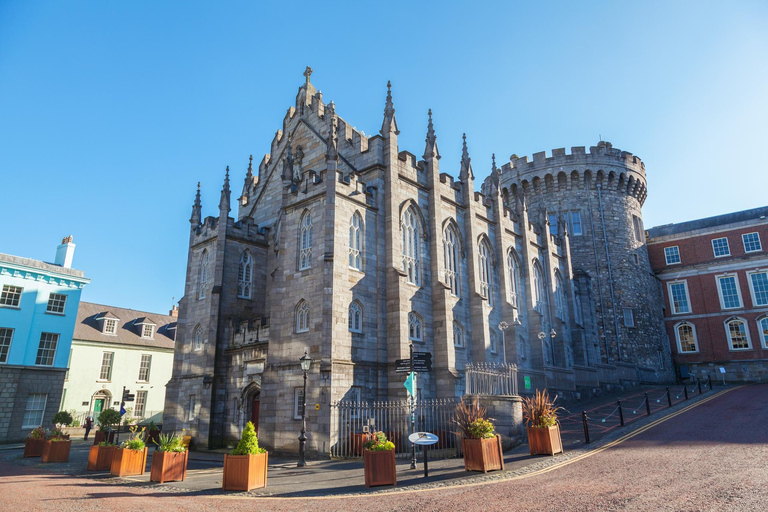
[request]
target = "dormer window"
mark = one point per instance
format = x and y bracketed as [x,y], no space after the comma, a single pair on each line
[146,327]
[147,331]
[110,326]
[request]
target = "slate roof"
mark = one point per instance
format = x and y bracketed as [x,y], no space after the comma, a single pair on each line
[709,222]
[88,328]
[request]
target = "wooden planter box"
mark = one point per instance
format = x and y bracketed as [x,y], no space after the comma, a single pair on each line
[483,454]
[56,451]
[380,468]
[168,466]
[545,440]
[245,472]
[101,435]
[128,462]
[33,447]
[100,458]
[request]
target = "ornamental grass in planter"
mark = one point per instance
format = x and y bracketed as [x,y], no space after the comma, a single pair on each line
[246,467]
[33,445]
[379,461]
[480,443]
[169,461]
[100,456]
[540,415]
[56,449]
[131,457]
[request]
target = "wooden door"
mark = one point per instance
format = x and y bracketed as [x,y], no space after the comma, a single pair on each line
[255,413]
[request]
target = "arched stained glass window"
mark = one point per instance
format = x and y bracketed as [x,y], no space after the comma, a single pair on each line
[244,276]
[305,242]
[411,231]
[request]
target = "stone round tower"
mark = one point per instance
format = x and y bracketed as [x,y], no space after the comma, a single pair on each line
[598,196]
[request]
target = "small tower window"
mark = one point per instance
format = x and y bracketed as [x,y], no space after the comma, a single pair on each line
[415,327]
[302,317]
[244,274]
[305,242]
[204,271]
[356,317]
[356,242]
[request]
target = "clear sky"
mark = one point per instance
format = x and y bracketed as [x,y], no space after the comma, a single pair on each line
[111,112]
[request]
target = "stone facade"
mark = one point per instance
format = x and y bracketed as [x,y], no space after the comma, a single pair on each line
[350,248]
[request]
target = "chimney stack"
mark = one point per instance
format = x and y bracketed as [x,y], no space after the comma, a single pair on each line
[65,252]
[174,311]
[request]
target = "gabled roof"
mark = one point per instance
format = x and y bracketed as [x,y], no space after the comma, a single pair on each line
[89,328]
[144,321]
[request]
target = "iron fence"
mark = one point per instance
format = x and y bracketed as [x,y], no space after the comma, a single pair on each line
[490,379]
[353,422]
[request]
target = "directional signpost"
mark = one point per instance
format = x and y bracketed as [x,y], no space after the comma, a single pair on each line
[419,362]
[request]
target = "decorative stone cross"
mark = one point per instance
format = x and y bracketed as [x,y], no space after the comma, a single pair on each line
[307,73]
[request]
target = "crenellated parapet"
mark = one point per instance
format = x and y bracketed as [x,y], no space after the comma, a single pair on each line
[603,164]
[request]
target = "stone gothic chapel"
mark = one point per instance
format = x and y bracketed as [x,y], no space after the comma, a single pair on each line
[351,248]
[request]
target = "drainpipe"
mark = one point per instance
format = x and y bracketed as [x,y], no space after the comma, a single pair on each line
[610,275]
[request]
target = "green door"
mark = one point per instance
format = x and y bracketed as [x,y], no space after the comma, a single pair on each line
[98,405]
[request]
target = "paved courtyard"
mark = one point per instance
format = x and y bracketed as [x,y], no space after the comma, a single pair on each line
[696,455]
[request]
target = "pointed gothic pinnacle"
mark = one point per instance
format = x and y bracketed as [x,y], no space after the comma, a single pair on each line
[249,174]
[389,107]
[464,151]
[430,129]
[493,162]
[389,125]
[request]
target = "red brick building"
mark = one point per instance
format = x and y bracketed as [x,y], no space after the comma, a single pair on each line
[714,275]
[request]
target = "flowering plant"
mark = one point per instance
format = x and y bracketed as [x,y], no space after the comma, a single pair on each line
[379,443]
[38,433]
[136,441]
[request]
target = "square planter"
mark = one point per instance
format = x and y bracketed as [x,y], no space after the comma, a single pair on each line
[128,462]
[100,458]
[380,467]
[101,435]
[33,447]
[245,472]
[56,451]
[483,454]
[168,466]
[544,440]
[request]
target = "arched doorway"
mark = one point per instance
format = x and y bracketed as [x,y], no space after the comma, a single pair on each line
[251,403]
[101,400]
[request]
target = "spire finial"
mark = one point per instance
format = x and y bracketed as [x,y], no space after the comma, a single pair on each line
[197,210]
[389,124]
[307,73]
[466,167]
[225,193]
[493,161]
[431,148]
[250,163]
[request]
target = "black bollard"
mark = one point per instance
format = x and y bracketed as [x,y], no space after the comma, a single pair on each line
[698,383]
[669,398]
[586,427]
[647,405]
[685,390]
[709,380]
[621,413]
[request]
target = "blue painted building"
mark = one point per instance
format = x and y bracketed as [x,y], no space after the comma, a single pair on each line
[38,310]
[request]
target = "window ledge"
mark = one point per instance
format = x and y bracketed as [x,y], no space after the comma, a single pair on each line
[9,307]
[55,313]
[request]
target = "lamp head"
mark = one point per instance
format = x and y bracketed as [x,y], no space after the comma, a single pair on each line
[305,361]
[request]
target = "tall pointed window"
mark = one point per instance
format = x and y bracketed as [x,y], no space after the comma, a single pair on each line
[458,335]
[513,269]
[577,311]
[560,301]
[198,338]
[494,343]
[355,317]
[356,242]
[486,271]
[302,316]
[244,276]
[415,327]
[411,232]
[305,242]
[451,255]
[204,275]
[539,294]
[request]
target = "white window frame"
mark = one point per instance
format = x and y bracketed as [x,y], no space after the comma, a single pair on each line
[451,256]
[31,422]
[672,297]
[629,317]
[145,367]
[410,226]
[202,287]
[51,339]
[719,279]
[759,243]
[245,275]
[727,323]
[10,297]
[110,326]
[6,338]
[458,335]
[57,304]
[298,401]
[198,341]
[573,215]
[415,327]
[755,302]
[727,246]
[107,363]
[485,262]
[302,316]
[140,406]
[668,254]
[680,341]
[148,331]
[356,240]
[305,241]
[763,330]
[355,320]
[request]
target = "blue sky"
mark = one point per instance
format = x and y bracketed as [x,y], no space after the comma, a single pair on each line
[111,112]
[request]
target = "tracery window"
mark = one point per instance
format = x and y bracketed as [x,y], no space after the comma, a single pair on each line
[305,242]
[486,271]
[451,255]
[355,317]
[415,327]
[204,274]
[539,290]
[244,276]
[356,242]
[458,334]
[560,300]
[513,269]
[198,338]
[411,233]
[302,316]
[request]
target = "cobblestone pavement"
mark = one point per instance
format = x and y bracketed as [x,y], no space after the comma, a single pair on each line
[698,457]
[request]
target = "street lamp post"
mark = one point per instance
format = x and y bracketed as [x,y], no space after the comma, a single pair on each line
[305,362]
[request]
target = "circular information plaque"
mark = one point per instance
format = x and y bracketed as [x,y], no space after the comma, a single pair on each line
[422,438]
